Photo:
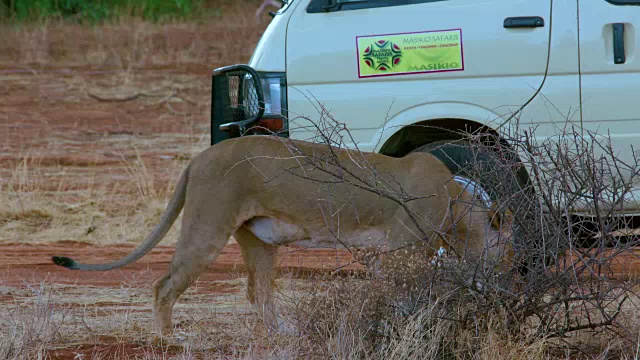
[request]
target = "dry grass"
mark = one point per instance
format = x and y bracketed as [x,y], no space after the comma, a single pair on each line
[81,162]
[353,318]
[53,319]
[96,122]
[33,212]
[49,320]
[96,125]
[134,44]
[30,328]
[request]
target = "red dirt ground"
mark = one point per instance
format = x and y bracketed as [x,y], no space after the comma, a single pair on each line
[33,262]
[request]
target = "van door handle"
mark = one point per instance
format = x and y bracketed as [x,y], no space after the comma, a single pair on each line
[618,44]
[523,22]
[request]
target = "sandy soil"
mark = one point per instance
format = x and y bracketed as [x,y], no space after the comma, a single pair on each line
[57,121]
[90,297]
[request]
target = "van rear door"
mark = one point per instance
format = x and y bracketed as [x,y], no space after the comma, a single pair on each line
[364,60]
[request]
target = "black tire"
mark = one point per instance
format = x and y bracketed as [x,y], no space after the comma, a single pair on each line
[499,173]
[479,162]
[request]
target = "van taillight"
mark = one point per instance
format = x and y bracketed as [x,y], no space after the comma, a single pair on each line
[269,125]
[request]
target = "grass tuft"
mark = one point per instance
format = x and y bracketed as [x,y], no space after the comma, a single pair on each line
[93,11]
[32,216]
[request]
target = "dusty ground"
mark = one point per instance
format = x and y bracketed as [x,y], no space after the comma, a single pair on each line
[109,314]
[95,127]
[87,163]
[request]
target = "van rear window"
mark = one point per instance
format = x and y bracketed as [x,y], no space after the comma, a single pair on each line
[318,6]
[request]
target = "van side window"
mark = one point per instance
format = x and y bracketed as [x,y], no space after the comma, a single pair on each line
[624,2]
[318,6]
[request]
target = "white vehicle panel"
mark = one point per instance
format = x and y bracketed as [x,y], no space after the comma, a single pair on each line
[503,68]
[564,72]
[609,90]
[269,54]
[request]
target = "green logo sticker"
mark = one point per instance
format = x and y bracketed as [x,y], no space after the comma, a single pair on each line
[410,53]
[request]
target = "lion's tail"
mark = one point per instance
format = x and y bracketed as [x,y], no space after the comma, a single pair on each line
[166,221]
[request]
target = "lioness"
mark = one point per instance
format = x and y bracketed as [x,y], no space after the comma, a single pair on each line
[267,191]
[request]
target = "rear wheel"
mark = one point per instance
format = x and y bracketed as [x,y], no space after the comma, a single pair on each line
[498,180]
[499,174]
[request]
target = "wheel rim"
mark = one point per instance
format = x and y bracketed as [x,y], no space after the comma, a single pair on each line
[476,189]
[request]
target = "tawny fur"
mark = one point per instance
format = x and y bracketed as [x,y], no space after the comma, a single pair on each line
[227,188]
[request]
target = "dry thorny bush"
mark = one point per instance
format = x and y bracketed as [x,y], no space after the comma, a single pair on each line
[558,293]
[28,331]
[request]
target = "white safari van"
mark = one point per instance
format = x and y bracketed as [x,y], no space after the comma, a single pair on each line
[385,68]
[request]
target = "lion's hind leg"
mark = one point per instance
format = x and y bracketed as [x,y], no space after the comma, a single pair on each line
[199,245]
[260,259]
[185,268]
